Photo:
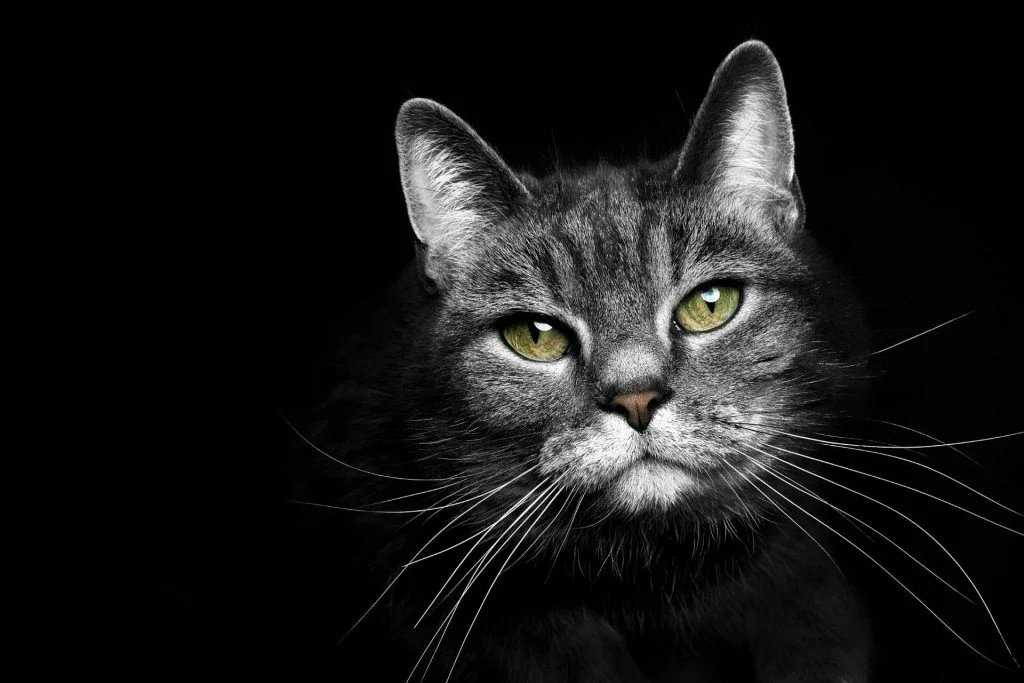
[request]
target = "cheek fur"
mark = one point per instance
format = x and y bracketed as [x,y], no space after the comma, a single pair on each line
[506,392]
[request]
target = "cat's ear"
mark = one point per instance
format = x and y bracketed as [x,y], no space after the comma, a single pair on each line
[741,140]
[456,186]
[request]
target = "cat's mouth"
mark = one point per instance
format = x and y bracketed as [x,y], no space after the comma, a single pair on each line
[652,481]
[707,466]
[657,481]
[634,472]
[650,457]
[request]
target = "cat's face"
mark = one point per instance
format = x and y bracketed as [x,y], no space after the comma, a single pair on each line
[627,331]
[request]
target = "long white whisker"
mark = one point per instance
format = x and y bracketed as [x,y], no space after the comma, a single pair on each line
[920,334]
[419,493]
[929,436]
[780,509]
[440,501]
[909,488]
[478,569]
[435,508]
[522,537]
[353,467]
[497,544]
[894,578]
[860,521]
[467,540]
[912,462]
[950,555]
[944,444]
[427,544]
[383,512]
[508,512]
[543,533]
[565,538]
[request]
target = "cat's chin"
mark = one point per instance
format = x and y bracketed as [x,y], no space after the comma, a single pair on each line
[651,484]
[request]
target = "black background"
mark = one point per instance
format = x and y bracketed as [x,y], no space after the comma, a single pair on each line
[222,192]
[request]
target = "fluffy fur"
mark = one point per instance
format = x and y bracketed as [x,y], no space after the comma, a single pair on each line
[602,553]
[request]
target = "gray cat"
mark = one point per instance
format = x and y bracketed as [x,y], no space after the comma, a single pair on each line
[573,414]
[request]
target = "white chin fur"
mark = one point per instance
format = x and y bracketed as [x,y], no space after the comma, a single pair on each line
[649,484]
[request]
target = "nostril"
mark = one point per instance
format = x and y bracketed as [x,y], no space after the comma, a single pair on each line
[631,415]
[637,407]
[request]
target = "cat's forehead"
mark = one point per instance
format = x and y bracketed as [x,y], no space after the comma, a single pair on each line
[601,244]
[613,212]
[601,198]
[616,241]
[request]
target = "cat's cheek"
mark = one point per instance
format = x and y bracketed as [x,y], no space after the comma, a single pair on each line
[506,390]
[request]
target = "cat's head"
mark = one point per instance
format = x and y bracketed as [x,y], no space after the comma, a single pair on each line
[637,333]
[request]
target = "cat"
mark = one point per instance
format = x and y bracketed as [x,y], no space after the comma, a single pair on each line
[577,417]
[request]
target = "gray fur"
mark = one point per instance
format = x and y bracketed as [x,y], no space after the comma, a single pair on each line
[608,253]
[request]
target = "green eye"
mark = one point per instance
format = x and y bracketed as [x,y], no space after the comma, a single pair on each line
[707,307]
[536,340]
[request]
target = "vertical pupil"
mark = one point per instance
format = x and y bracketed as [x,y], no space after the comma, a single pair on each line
[711,295]
[536,327]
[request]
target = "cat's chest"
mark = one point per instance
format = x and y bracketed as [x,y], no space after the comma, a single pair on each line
[691,610]
[660,604]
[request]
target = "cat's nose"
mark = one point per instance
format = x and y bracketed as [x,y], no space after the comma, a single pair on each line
[637,407]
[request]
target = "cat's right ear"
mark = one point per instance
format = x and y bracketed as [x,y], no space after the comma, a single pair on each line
[456,186]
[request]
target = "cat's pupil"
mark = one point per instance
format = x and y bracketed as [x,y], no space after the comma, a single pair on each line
[536,328]
[710,296]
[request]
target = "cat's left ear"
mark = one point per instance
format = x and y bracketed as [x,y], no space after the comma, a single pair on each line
[741,141]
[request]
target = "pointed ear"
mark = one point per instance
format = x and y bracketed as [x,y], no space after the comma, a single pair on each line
[456,186]
[741,141]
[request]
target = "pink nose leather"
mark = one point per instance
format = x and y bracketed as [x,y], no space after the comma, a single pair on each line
[636,407]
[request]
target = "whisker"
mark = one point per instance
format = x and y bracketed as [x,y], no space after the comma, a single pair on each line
[542,535]
[379,512]
[480,563]
[963,571]
[611,511]
[427,544]
[471,576]
[896,483]
[440,501]
[418,493]
[909,488]
[929,436]
[508,512]
[894,578]
[353,467]
[879,533]
[565,538]
[944,444]
[779,508]
[462,542]
[551,499]
[920,334]
[748,513]
[862,442]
